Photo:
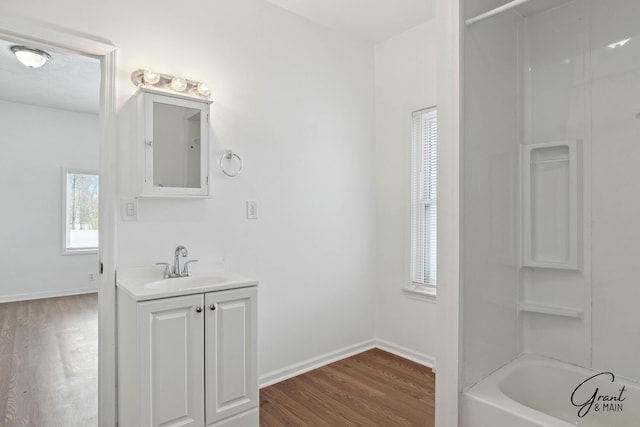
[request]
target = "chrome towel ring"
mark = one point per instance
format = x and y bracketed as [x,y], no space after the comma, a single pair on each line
[227,157]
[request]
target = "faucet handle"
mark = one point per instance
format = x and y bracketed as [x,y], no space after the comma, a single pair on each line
[186,270]
[167,269]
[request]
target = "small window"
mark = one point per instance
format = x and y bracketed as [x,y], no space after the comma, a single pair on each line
[80,216]
[424,196]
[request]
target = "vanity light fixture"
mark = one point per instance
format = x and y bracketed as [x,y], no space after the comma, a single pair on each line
[150,77]
[178,84]
[203,90]
[168,83]
[32,58]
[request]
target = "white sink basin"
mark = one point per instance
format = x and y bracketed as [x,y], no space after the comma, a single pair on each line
[145,283]
[186,282]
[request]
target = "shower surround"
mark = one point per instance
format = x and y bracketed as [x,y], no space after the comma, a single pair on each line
[551,126]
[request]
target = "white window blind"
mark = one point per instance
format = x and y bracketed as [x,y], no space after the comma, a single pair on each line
[424,196]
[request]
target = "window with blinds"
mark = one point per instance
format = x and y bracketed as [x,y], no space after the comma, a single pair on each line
[424,196]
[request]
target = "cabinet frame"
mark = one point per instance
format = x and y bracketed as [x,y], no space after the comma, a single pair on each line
[145,145]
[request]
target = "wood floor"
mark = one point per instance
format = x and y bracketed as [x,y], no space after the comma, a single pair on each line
[370,389]
[49,362]
[49,365]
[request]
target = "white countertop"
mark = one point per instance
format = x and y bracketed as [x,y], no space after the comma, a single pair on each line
[147,283]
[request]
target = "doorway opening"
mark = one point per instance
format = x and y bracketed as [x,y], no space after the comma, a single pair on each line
[36,120]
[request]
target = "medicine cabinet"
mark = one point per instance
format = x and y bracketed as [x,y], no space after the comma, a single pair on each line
[550,205]
[173,145]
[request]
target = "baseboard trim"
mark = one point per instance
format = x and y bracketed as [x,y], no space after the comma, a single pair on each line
[47,294]
[299,368]
[406,353]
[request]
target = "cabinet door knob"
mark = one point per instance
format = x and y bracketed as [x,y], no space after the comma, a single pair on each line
[212,307]
[198,309]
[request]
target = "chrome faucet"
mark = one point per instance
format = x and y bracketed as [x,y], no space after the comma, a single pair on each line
[181,251]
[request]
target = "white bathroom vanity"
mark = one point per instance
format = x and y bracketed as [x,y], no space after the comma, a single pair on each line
[186,350]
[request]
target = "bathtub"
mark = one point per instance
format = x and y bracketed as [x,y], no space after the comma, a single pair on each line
[536,391]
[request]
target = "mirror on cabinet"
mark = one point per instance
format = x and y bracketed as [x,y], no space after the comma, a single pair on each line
[173,136]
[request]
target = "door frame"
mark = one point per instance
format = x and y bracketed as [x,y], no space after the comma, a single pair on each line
[22,30]
[449,355]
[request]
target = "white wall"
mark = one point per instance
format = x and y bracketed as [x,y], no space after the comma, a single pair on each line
[295,102]
[36,144]
[405,76]
[489,193]
[293,99]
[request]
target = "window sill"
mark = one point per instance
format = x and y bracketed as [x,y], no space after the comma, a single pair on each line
[79,251]
[420,293]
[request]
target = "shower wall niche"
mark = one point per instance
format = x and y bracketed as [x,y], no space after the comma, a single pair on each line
[550,205]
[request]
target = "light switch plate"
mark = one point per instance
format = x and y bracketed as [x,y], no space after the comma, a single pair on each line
[252,209]
[130,209]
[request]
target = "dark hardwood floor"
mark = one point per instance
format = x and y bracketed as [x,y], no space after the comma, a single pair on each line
[374,388]
[49,365]
[49,362]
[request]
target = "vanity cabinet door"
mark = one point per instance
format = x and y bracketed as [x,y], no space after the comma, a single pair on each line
[231,356]
[171,333]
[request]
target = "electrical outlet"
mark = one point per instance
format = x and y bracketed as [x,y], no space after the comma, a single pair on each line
[252,209]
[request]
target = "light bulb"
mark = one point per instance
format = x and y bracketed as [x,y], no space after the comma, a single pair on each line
[33,58]
[203,89]
[150,77]
[178,84]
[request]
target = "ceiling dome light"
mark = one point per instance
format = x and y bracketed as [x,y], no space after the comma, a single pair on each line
[33,58]
[618,43]
[178,84]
